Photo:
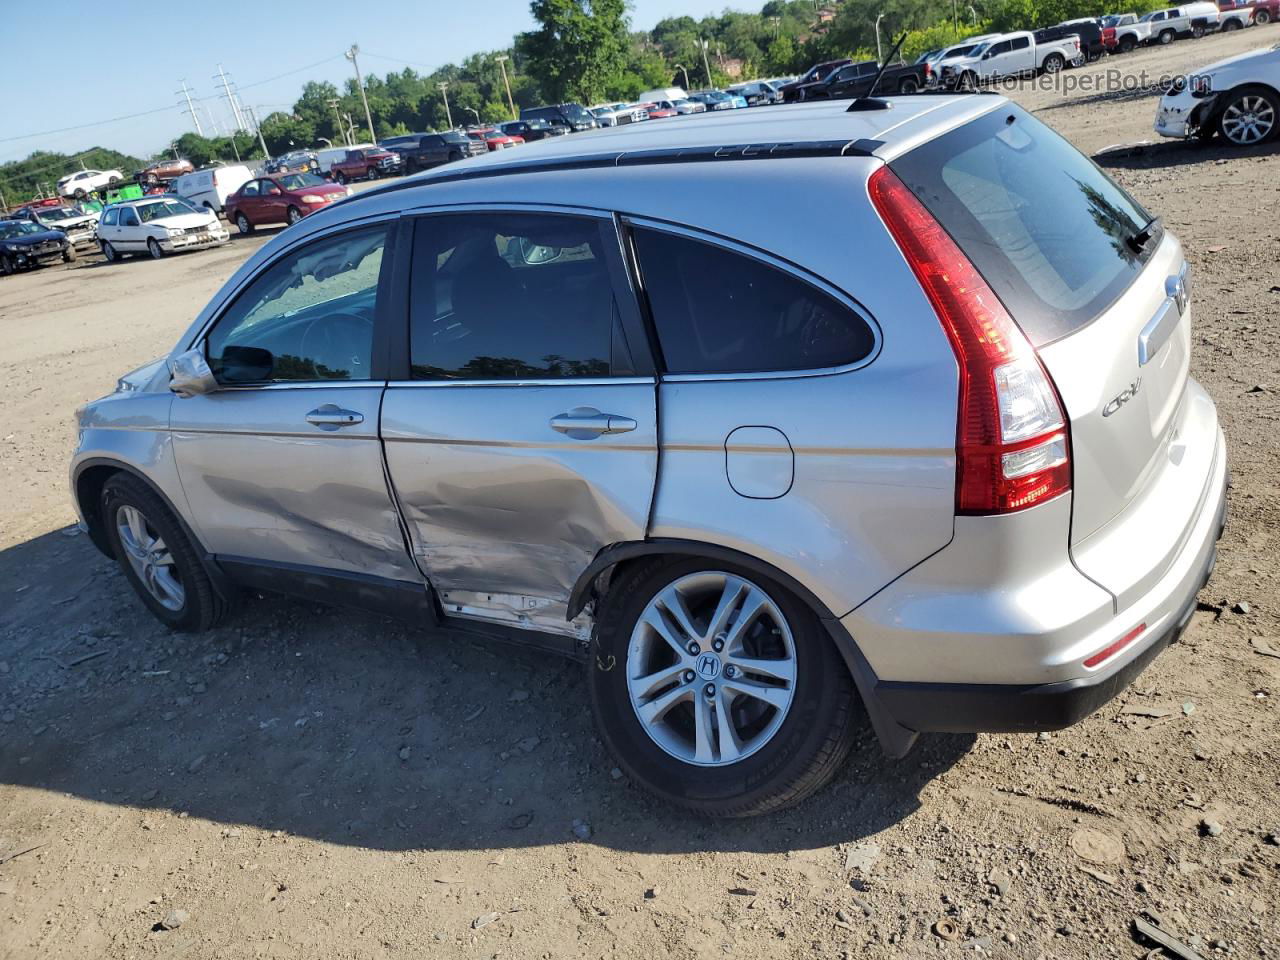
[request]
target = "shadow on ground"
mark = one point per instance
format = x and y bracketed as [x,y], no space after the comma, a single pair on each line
[1163,154]
[348,728]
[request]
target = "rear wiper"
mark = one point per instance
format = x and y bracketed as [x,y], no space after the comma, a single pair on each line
[1138,241]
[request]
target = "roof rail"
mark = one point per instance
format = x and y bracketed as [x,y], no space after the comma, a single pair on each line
[635,158]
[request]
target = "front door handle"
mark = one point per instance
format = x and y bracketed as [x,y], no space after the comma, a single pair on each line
[583,423]
[330,416]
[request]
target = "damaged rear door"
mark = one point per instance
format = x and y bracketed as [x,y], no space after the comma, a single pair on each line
[524,438]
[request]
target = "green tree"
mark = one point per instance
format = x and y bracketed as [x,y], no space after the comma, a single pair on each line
[579,50]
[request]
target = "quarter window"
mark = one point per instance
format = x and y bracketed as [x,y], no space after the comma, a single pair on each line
[109,218]
[718,311]
[309,316]
[250,189]
[512,296]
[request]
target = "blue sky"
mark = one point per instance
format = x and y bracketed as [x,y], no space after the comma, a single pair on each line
[190,40]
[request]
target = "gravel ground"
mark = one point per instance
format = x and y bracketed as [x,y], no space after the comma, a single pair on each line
[320,783]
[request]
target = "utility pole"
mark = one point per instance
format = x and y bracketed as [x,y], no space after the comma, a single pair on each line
[879,55]
[235,108]
[444,92]
[955,18]
[192,107]
[337,122]
[705,65]
[258,127]
[351,55]
[502,62]
[681,68]
[777,21]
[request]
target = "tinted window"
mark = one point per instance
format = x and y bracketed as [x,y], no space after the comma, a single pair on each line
[999,48]
[1020,43]
[717,311]
[512,296]
[1046,228]
[309,316]
[250,189]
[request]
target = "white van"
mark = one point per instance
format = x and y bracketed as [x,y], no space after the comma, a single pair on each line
[325,159]
[664,93]
[210,188]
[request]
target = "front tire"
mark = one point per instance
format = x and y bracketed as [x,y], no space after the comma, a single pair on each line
[69,255]
[293,215]
[716,689]
[154,248]
[8,267]
[968,82]
[158,559]
[1262,16]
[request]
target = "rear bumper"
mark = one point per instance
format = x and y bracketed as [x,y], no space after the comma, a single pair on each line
[1023,708]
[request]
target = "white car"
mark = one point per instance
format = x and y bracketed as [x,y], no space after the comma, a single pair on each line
[617,114]
[1238,97]
[1192,19]
[157,226]
[1008,55]
[84,182]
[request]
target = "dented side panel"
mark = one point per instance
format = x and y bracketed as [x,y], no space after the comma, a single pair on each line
[264,483]
[500,503]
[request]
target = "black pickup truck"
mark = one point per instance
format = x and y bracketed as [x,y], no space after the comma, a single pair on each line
[422,151]
[855,79]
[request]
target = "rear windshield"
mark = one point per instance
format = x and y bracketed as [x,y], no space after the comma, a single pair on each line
[1045,227]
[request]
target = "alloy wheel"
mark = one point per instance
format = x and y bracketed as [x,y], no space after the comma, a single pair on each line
[242,223]
[1249,119]
[150,559]
[711,668]
[154,248]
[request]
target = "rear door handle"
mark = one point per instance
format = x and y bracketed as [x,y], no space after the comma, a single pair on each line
[583,423]
[330,416]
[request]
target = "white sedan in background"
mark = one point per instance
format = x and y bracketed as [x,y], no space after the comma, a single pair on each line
[1238,97]
[157,226]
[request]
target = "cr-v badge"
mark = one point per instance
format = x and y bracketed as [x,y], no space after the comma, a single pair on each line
[1123,397]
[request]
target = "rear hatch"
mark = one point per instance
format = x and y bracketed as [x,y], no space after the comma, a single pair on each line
[1100,291]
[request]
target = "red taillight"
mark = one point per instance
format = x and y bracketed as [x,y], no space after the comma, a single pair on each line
[1012,448]
[928,69]
[1111,649]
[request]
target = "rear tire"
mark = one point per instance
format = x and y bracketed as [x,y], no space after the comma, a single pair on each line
[753,758]
[339,177]
[1198,31]
[243,224]
[1054,63]
[1127,45]
[1166,37]
[109,252]
[909,85]
[158,559]
[1262,16]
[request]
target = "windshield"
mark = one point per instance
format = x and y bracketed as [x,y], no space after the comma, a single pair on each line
[299,181]
[56,213]
[977,51]
[162,209]
[961,50]
[18,228]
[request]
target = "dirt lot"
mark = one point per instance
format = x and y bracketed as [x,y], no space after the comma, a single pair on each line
[309,782]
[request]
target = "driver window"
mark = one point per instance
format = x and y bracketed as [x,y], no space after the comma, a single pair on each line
[128,217]
[309,316]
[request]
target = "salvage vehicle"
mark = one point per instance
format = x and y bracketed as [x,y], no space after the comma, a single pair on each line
[366,163]
[81,228]
[24,244]
[1130,32]
[855,79]
[210,188]
[442,398]
[84,182]
[281,198]
[757,93]
[1010,55]
[1238,98]
[157,226]
[164,170]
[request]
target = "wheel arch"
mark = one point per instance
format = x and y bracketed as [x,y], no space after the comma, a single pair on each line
[895,739]
[1220,102]
[87,484]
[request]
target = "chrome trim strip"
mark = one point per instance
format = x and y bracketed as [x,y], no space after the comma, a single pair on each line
[560,382]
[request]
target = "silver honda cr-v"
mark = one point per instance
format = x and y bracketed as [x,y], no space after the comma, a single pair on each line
[763,416]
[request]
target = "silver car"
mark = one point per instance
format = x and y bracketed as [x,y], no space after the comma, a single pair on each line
[909,436]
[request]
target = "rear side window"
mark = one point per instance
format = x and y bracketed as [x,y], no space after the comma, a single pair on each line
[1046,228]
[719,311]
[512,296]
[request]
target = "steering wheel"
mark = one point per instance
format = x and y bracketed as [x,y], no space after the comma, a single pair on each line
[340,341]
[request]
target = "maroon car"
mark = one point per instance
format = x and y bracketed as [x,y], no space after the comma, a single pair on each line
[280,198]
[365,163]
[494,139]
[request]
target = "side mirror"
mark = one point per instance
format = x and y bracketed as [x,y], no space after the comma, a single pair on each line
[189,374]
[274,191]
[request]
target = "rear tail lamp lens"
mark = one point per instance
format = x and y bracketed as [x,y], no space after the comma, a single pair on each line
[1012,448]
